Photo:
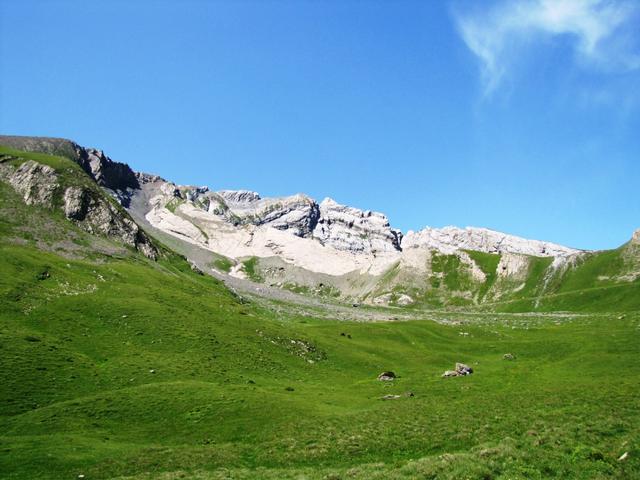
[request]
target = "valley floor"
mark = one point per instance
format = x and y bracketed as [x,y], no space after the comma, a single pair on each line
[123,368]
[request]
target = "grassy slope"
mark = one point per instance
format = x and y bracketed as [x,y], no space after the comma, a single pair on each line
[488,263]
[593,285]
[115,366]
[78,395]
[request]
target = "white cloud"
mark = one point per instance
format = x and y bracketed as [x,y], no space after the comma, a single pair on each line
[602,33]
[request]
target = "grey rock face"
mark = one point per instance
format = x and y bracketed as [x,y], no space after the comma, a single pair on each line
[106,172]
[75,203]
[39,184]
[354,230]
[297,213]
[450,239]
[95,214]
[239,198]
[36,183]
[144,178]
[334,225]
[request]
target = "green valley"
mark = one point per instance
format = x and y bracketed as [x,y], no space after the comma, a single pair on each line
[115,365]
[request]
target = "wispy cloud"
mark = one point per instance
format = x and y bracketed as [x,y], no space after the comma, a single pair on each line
[602,32]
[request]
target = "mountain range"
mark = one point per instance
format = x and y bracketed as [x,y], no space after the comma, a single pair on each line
[323,249]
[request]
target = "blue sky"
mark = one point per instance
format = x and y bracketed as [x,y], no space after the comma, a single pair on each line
[521,116]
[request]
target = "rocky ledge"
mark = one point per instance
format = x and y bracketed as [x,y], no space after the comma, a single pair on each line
[355,230]
[39,184]
[451,239]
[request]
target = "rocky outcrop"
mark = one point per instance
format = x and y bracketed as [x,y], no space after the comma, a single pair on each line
[297,213]
[75,203]
[354,230]
[115,176]
[333,225]
[460,371]
[451,239]
[144,178]
[36,183]
[401,299]
[387,376]
[107,173]
[96,214]
[240,198]
[40,185]
[513,265]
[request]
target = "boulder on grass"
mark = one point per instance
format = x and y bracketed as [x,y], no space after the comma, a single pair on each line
[387,376]
[461,370]
[390,397]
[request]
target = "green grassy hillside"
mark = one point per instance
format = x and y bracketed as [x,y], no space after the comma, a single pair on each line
[116,366]
[604,281]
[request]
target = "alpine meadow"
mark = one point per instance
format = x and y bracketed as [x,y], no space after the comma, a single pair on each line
[152,327]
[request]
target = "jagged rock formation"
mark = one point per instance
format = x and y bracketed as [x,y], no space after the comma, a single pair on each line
[112,175]
[36,183]
[297,213]
[333,225]
[354,230]
[107,173]
[240,224]
[341,227]
[451,239]
[39,184]
[97,215]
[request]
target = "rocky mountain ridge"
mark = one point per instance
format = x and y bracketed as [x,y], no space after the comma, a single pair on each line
[332,224]
[107,173]
[347,228]
[81,201]
[449,239]
[303,245]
